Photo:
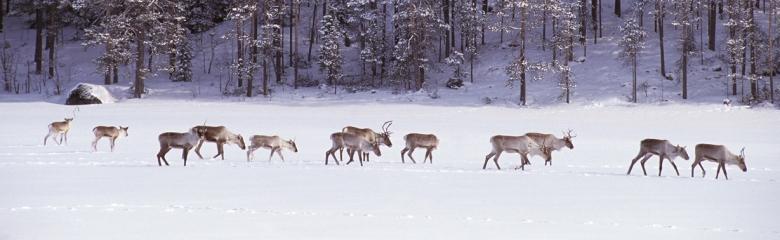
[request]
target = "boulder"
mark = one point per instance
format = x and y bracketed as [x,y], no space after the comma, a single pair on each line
[85,93]
[455,83]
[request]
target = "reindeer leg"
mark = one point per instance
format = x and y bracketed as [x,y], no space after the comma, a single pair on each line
[702,170]
[220,150]
[633,161]
[643,162]
[675,167]
[718,173]
[351,154]
[495,160]
[65,134]
[429,155]
[723,165]
[161,154]
[361,153]
[184,154]
[327,154]
[272,154]
[279,152]
[94,144]
[249,152]
[660,163]
[46,137]
[403,151]
[487,158]
[410,155]
[341,154]
[197,149]
[113,143]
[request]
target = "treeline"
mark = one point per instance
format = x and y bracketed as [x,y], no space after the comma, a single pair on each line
[400,41]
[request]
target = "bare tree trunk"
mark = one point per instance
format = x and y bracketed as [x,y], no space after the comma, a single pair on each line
[523,17]
[446,12]
[2,15]
[485,12]
[661,36]
[711,25]
[139,64]
[249,81]
[51,38]
[686,31]
[594,12]
[240,52]
[38,40]
[294,45]
[312,29]
[115,72]
[618,10]
[633,77]
[771,58]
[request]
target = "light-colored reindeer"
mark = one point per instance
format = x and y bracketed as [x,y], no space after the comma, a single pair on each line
[662,149]
[522,145]
[184,141]
[58,129]
[418,140]
[219,135]
[274,143]
[371,136]
[553,142]
[352,143]
[720,155]
[112,133]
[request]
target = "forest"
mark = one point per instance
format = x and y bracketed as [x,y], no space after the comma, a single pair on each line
[251,48]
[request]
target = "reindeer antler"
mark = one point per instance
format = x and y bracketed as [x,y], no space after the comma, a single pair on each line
[386,126]
[568,134]
[742,152]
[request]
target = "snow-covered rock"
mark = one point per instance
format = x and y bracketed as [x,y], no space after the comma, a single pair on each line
[85,93]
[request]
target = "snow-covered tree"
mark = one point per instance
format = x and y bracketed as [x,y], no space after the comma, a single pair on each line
[182,71]
[330,50]
[240,12]
[470,21]
[631,44]
[415,22]
[568,29]
[684,19]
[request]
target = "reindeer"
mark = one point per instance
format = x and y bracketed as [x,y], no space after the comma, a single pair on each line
[661,148]
[554,143]
[720,155]
[522,145]
[58,129]
[275,143]
[220,135]
[184,141]
[353,143]
[415,140]
[112,133]
[371,136]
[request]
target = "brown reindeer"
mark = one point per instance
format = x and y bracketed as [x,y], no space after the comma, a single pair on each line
[275,143]
[219,135]
[371,136]
[184,141]
[720,155]
[418,140]
[522,145]
[112,133]
[552,142]
[58,129]
[352,143]
[661,148]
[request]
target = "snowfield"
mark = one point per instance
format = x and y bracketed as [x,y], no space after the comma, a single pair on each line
[70,192]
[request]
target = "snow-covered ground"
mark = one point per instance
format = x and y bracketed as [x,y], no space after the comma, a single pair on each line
[70,192]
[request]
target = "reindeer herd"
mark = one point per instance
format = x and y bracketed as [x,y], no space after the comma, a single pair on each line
[365,141]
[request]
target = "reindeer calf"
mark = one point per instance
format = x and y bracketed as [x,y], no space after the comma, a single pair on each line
[58,129]
[112,133]
[275,143]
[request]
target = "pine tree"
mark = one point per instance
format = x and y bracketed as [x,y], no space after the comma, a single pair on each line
[568,29]
[330,50]
[632,44]
[684,19]
[183,68]
[416,23]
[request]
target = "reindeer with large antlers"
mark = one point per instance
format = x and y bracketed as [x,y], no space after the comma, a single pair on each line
[418,140]
[553,142]
[371,136]
[112,133]
[522,145]
[661,148]
[274,143]
[219,135]
[58,129]
[353,143]
[720,155]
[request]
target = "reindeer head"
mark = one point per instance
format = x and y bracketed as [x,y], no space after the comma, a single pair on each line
[292,145]
[680,151]
[123,130]
[567,138]
[68,120]
[741,160]
[200,131]
[386,134]
[240,141]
